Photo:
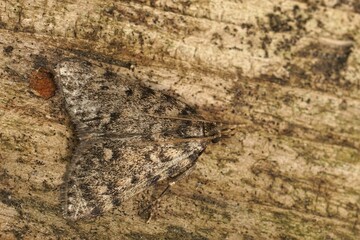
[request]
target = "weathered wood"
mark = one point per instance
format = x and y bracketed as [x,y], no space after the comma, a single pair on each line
[288,71]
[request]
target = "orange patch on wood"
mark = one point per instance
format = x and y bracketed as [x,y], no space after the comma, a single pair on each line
[42,82]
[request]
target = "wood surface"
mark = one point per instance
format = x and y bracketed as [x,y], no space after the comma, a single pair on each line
[285,74]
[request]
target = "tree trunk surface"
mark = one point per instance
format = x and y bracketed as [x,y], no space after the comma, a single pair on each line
[285,74]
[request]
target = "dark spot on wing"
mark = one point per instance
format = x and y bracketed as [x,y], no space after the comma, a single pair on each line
[167,133]
[188,111]
[114,115]
[86,64]
[86,191]
[168,99]
[134,180]
[89,163]
[116,202]
[146,92]
[163,157]
[70,182]
[182,130]
[116,154]
[8,49]
[129,92]
[96,211]
[195,155]
[147,156]
[161,109]
[153,180]
[109,74]
[111,186]
[70,194]
[173,171]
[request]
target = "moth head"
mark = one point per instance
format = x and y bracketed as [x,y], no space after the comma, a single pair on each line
[218,130]
[212,130]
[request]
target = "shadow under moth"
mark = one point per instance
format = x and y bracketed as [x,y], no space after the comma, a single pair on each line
[128,137]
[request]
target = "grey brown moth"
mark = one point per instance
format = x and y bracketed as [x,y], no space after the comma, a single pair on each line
[129,137]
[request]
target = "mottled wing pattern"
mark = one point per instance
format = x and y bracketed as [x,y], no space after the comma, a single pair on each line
[130,137]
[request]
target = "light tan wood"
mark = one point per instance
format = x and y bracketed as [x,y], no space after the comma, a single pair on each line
[287,72]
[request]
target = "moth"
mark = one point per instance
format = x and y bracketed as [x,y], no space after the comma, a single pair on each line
[129,137]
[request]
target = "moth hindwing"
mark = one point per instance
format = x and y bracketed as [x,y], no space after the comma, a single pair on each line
[129,137]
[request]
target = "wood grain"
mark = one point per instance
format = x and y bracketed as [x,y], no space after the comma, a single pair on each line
[285,73]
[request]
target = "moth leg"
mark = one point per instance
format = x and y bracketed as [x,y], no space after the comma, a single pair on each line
[171,183]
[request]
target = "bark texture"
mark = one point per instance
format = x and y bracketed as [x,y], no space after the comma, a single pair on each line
[286,73]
